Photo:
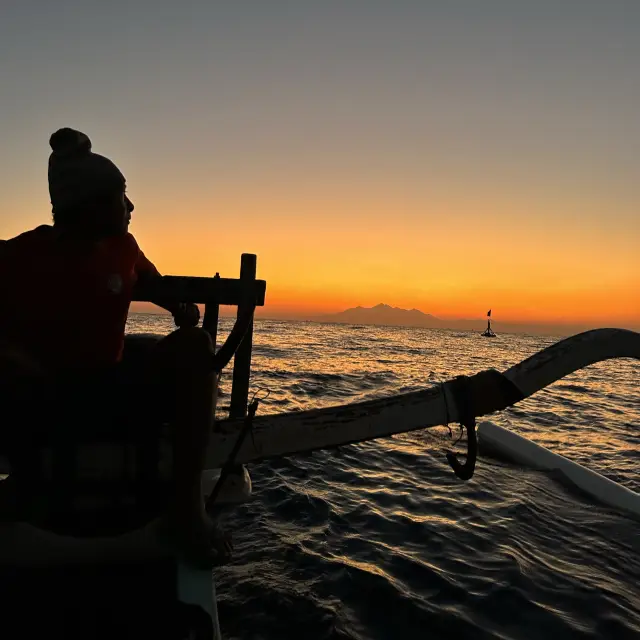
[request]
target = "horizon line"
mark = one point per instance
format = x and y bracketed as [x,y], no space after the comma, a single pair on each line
[515,324]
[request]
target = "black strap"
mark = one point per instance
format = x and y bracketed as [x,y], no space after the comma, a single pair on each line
[461,389]
[223,356]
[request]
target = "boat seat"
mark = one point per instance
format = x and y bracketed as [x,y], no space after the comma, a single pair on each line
[111,600]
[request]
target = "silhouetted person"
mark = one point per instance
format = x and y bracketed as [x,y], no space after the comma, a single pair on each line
[65,293]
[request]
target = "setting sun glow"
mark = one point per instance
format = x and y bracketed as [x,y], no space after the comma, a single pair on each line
[390,156]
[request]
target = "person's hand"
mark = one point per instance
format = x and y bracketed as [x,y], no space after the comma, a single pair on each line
[186,315]
[199,541]
[206,545]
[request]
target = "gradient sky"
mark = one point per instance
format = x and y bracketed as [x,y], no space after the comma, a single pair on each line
[449,156]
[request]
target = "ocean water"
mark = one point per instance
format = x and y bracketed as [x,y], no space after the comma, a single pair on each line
[380,540]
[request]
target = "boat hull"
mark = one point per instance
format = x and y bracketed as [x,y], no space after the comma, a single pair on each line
[494,439]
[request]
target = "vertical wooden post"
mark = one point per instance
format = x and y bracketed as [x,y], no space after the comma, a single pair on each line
[210,320]
[242,359]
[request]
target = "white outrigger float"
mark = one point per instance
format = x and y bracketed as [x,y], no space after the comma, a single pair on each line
[105,575]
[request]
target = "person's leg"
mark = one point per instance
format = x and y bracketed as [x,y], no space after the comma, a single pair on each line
[181,363]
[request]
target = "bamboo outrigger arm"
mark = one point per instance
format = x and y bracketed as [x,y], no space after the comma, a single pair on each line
[488,391]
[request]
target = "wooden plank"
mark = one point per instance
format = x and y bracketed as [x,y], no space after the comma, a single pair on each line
[227,291]
[242,359]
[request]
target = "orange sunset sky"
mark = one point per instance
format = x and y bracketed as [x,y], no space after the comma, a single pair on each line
[452,158]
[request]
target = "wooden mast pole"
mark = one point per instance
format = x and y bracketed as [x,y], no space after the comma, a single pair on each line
[242,359]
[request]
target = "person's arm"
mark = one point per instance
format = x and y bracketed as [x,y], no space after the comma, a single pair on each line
[184,314]
[15,358]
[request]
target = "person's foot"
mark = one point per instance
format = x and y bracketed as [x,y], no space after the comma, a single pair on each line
[203,544]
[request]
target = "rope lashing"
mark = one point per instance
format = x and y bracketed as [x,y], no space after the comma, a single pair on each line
[230,463]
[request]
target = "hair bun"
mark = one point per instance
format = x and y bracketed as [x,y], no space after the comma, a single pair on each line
[69,142]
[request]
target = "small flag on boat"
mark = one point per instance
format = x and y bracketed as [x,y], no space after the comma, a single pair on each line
[489,313]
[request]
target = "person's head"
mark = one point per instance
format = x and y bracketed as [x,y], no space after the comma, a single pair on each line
[88,191]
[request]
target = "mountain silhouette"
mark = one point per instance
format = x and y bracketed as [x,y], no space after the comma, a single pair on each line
[384,314]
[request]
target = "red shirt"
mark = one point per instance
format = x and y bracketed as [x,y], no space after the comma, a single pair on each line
[64,305]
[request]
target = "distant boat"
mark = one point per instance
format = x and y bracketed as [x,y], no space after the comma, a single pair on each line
[488,333]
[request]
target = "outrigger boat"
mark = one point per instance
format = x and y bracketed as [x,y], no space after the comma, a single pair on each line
[117,584]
